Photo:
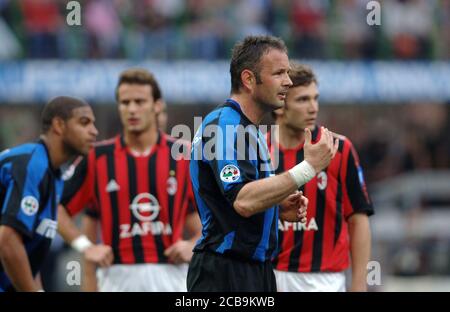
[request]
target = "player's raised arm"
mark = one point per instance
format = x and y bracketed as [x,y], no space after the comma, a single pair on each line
[261,194]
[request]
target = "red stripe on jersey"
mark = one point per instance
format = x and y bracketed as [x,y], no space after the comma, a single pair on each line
[308,236]
[290,159]
[329,223]
[104,201]
[125,243]
[340,255]
[162,163]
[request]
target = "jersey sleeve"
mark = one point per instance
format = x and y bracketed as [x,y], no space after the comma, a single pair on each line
[356,196]
[235,163]
[79,188]
[23,197]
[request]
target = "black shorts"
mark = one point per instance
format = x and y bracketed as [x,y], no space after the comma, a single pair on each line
[210,271]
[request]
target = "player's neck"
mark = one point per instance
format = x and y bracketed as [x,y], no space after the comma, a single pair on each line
[141,142]
[249,108]
[56,152]
[290,138]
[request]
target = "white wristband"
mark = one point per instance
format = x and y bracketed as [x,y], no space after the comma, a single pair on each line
[81,243]
[302,173]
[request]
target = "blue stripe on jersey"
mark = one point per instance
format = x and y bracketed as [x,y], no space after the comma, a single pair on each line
[36,169]
[4,281]
[228,116]
[277,247]
[5,175]
[260,252]
[228,155]
[59,188]
[227,242]
[26,148]
[203,210]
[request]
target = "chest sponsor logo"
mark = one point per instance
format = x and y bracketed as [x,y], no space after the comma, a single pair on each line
[310,225]
[145,207]
[29,205]
[230,173]
[145,228]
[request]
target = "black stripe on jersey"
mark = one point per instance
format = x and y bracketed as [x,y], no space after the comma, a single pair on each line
[132,184]
[173,167]
[298,235]
[338,227]
[318,236]
[114,209]
[19,164]
[279,170]
[152,168]
[47,188]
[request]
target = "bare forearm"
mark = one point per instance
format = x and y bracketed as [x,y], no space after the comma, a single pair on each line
[360,246]
[66,227]
[90,268]
[16,265]
[262,194]
[193,227]
[89,276]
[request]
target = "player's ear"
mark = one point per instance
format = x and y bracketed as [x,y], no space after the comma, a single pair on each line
[248,79]
[58,125]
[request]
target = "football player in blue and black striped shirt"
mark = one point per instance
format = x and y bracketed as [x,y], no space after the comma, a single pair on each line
[236,191]
[31,187]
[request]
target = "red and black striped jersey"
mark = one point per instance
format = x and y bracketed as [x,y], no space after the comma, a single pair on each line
[322,243]
[141,201]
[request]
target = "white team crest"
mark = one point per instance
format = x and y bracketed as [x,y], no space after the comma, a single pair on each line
[230,173]
[29,205]
[322,180]
[172,186]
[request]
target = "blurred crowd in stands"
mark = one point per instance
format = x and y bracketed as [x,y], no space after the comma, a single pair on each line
[205,29]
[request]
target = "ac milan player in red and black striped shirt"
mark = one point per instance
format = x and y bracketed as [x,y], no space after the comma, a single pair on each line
[137,187]
[314,255]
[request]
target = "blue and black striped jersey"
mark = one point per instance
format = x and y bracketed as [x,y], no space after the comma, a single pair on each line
[29,193]
[229,151]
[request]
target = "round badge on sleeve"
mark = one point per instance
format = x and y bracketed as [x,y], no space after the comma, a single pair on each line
[230,173]
[29,205]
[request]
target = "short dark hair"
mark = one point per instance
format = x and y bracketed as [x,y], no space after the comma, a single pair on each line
[142,77]
[247,55]
[62,107]
[301,75]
